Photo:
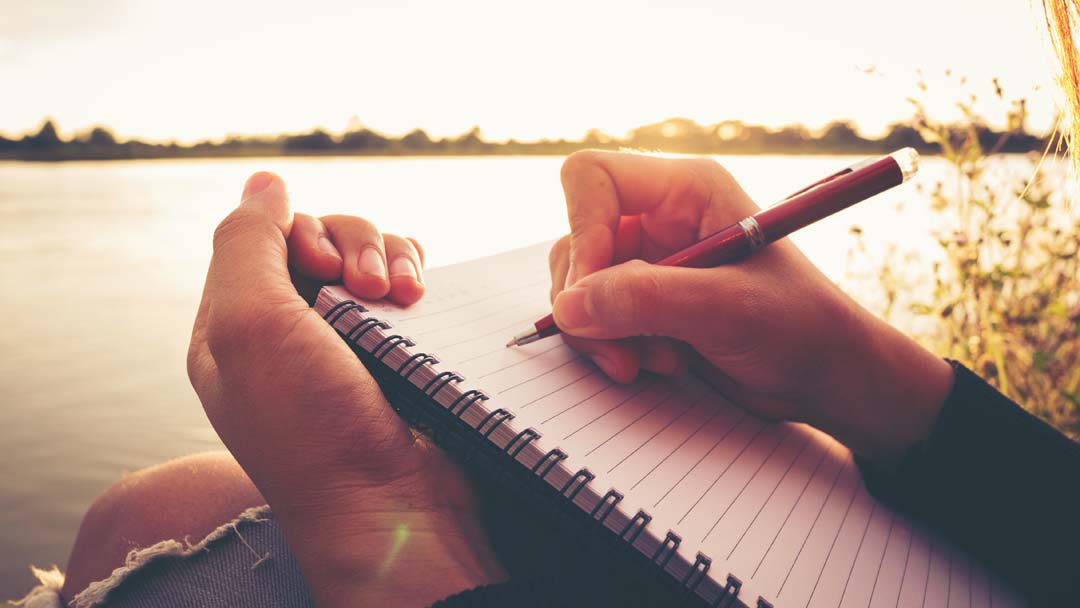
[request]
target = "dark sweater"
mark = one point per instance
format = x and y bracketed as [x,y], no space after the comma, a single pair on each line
[993,478]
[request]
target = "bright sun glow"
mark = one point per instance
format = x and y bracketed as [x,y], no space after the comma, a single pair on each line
[549,69]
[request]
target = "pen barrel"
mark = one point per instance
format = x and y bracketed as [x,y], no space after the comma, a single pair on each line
[802,209]
[826,199]
[723,247]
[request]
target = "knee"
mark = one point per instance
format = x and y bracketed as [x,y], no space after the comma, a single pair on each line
[184,498]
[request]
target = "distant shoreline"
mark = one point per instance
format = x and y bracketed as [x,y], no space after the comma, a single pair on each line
[675,135]
[388,155]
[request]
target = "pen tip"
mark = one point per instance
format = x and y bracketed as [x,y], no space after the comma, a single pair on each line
[526,337]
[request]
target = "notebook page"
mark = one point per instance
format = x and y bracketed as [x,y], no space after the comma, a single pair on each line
[781,506]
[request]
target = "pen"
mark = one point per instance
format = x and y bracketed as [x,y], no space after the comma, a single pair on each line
[814,202]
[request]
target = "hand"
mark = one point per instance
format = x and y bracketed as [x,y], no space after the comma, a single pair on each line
[771,333]
[373,514]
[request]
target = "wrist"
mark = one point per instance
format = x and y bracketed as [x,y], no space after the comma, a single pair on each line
[885,392]
[409,541]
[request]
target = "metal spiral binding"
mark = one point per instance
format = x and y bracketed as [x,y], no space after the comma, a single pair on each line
[420,360]
[669,546]
[635,526]
[701,568]
[365,325]
[440,381]
[390,342]
[606,505]
[548,462]
[729,593]
[631,531]
[522,439]
[499,416]
[577,483]
[341,308]
[467,398]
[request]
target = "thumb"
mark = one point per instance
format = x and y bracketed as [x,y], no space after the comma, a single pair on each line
[250,244]
[641,299]
[249,268]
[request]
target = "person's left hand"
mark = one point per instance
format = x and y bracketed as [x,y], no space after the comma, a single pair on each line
[373,514]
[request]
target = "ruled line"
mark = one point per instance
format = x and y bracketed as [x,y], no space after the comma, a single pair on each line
[717,478]
[441,328]
[907,560]
[788,516]
[775,447]
[813,525]
[832,546]
[929,564]
[475,337]
[635,420]
[548,394]
[779,482]
[608,386]
[503,349]
[705,423]
[528,380]
[881,562]
[602,414]
[484,299]
[855,559]
[692,405]
[735,425]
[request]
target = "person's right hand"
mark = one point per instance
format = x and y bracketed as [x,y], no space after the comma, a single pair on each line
[771,332]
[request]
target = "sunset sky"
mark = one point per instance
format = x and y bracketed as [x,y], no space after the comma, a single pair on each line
[196,69]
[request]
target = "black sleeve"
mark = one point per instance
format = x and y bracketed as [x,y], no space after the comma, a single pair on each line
[1000,483]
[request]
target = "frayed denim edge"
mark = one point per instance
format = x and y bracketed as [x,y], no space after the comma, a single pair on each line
[47,594]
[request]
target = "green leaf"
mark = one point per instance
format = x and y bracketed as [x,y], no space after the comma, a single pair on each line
[1042,359]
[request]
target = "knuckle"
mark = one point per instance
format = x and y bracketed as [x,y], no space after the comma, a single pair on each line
[237,334]
[630,295]
[194,361]
[225,333]
[559,249]
[710,169]
[577,162]
[232,227]
[559,256]
[746,307]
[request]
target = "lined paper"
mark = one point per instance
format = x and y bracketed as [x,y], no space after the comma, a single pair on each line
[781,506]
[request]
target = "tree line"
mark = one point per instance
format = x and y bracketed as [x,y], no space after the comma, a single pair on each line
[676,135]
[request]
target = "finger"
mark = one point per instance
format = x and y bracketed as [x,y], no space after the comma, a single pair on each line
[640,299]
[310,250]
[406,279]
[248,282]
[661,356]
[559,265]
[619,359]
[201,368]
[361,247]
[679,199]
[419,250]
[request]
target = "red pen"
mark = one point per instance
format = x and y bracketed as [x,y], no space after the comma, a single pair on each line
[814,202]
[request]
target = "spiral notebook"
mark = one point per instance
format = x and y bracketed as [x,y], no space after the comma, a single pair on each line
[724,506]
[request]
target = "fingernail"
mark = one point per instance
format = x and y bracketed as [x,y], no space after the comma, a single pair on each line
[257,183]
[402,266]
[372,263]
[606,365]
[570,310]
[327,247]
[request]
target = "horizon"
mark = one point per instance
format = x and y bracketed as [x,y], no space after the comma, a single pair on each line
[209,72]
